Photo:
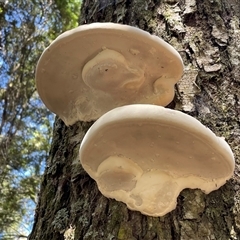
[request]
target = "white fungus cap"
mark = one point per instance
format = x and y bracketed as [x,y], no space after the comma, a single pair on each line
[145,155]
[94,68]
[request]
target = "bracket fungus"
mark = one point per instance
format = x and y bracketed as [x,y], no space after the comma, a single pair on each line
[94,68]
[145,155]
[141,154]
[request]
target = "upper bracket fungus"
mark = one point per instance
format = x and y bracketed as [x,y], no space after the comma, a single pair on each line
[94,68]
[145,155]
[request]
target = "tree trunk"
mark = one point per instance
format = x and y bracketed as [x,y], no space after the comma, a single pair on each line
[207,35]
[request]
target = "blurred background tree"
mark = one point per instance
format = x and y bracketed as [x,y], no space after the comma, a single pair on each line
[26,28]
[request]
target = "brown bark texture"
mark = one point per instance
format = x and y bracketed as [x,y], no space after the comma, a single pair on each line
[207,35]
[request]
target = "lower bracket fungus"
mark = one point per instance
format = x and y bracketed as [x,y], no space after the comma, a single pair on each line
[145,155]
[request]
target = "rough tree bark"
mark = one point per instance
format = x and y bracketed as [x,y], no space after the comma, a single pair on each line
[207,35]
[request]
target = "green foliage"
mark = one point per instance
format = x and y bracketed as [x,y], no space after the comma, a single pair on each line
[69,12]
[27,27]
